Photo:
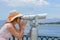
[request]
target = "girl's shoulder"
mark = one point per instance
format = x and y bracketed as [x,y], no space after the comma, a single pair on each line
[7,24]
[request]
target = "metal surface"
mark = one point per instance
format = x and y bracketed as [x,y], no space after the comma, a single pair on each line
[33,16]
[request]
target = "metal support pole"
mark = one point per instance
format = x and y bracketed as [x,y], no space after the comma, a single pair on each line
[34,34]
[34,31]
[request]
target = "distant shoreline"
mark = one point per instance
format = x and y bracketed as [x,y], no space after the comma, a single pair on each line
[49,23]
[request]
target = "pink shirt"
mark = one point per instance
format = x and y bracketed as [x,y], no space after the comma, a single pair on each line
[4,33]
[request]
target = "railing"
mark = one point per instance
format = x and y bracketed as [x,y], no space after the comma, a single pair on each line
[26,37]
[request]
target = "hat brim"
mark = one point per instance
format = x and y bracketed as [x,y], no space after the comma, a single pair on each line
[14,18]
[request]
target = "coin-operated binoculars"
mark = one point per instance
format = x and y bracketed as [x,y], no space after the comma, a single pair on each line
[34,23]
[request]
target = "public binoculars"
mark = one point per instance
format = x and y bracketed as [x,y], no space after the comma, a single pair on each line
[34,23]
[33,16]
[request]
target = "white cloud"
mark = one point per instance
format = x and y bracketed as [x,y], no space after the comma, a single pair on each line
[21,3]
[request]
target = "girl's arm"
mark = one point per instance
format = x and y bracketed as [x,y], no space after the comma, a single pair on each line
[21,33]
[22,26]
[12,30]
[18,30]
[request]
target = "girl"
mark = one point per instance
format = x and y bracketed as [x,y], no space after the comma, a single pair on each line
[8,29]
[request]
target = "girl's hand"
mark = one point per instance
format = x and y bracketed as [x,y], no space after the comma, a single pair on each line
[23,24]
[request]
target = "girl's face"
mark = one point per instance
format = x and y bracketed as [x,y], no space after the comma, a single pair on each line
[18,20]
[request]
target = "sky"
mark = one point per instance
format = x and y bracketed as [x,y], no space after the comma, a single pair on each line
[51,7]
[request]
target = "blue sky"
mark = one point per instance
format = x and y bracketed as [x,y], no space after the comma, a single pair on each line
[51,7]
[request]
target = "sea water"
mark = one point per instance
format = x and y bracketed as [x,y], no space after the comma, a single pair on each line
[46,30]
